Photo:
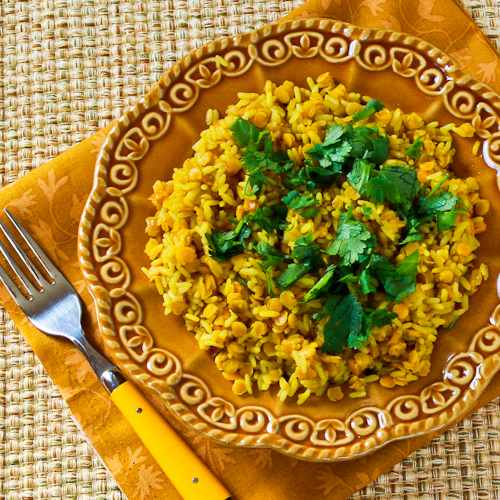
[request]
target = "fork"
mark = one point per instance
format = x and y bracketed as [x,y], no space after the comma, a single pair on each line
[53,306]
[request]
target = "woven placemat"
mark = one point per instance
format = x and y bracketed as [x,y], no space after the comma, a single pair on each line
[69,67]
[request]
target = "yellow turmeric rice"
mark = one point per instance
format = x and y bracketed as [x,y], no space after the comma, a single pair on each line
[262,335]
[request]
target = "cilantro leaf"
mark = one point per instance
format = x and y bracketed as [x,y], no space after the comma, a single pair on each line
[347,278]
[353,243]
[341,146]
[396,184]
[372,318]
[331,156]
[333,134]
[359,176]
[310,175]
[368,144]
[295,200]
[271,257]
[415,150]
[345,319]
[306,250]
[255,164]
[258,157]
[446,220]
[370,108]
[292,273]
[304,204]
[440,206]
[270,218]
[380,149]
[398,281]
[349,325]
[309,213]
[413,224]
[245,133]
[307,256]
[435,203]
[340,153]
[333,152]
[367,282]
[224,245]
[380,317]
[321,286]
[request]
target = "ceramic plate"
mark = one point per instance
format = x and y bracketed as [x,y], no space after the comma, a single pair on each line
[156,135]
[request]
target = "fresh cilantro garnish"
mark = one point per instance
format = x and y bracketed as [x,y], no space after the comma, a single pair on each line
[345,319]
[259,157]
[367,282]
[311,175]
[371,319]
[257,177]
[306,250]
[270,218]
[368,144]
[333,134]
[446,220]
[245,133]
[346,277]
[353,242]
[270,256]
[295,200]
[438,205]
[332,153]
[256,164]
[224,245]
[442,206]
[380,317]
[396,184]
[398,281]
[343,144]
[321,286]
[349,325]
[359,176]
[307,257]
[433,204]
[415,150]
[304,204]
[370,108]
[358,154]
[413,224]
[292,273]
[337,154]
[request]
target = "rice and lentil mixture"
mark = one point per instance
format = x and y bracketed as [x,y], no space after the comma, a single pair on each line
[246,243]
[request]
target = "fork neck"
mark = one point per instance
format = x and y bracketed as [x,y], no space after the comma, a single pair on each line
[107,372]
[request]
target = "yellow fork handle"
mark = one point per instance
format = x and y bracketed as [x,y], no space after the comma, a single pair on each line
[190,476]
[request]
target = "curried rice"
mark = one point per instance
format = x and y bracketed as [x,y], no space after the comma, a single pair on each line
[261,339]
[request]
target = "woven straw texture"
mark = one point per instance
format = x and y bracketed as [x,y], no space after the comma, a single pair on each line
[67,68]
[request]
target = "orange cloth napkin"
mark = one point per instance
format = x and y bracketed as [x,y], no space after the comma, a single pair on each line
[50,200]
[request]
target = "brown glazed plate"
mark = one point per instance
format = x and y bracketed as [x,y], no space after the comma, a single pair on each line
[156,135]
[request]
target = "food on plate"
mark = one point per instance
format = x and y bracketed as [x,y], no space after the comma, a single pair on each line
[317,241]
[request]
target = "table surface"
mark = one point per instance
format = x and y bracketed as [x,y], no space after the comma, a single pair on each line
[69,67]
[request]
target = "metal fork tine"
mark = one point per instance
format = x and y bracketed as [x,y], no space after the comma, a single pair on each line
[43,259]
[17,271]
[35,275]
[12,288]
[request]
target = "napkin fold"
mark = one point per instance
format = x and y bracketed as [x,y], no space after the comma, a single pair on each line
[50,200]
